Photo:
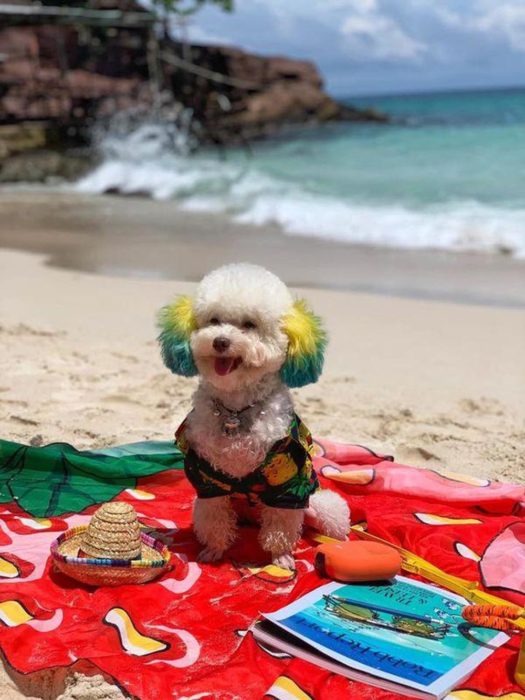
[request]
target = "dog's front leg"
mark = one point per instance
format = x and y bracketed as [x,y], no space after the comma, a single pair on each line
[215,525]
[280,530]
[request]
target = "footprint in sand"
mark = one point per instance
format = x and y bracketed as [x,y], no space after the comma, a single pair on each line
[123,356]
[343,379]
[23,421]
[414,453]
[482,406]
[22,329]
[120,399]
[426,454]
[86,433]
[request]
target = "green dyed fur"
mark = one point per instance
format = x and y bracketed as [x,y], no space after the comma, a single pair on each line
[299,371]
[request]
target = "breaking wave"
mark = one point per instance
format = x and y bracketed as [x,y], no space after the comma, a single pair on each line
[149,161]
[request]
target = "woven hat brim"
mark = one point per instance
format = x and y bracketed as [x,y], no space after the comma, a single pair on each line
[148,556]
[155,558]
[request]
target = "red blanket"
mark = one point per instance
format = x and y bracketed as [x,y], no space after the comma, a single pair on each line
[187,634]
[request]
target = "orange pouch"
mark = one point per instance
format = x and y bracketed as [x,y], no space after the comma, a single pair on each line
[357,561]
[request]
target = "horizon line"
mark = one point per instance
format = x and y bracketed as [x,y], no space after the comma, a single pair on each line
[412,92]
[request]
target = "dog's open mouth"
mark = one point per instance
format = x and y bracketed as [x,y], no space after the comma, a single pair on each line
[226,365]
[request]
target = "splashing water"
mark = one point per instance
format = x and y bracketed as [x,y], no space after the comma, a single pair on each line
[455,185]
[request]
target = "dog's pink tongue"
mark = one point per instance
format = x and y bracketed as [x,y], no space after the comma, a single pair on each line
[224,365]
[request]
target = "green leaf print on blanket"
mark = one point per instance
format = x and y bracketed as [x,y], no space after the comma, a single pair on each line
[55,479]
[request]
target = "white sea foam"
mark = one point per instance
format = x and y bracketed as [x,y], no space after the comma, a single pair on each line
[459,226]
[240,189]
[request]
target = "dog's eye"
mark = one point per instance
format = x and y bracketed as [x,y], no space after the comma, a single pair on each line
[249,325]
[214,321]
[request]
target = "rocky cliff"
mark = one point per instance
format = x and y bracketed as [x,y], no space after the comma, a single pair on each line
[263,93]
[58,78]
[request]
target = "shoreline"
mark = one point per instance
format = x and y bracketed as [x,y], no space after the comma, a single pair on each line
[105,234]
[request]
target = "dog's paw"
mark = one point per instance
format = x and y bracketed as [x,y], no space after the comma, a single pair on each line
[209,554]
[284,561]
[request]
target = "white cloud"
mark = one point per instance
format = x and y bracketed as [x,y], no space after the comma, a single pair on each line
[448,17]
[198,35]
[506,19]
[355,5]
[493,18]
[367,29]
[373,35]
[380,45]
[316,8]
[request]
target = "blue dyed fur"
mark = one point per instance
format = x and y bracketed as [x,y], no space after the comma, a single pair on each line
[176,353]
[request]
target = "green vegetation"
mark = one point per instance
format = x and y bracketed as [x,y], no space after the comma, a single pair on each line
[189,7]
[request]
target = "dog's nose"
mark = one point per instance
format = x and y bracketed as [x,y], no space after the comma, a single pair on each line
[221,344]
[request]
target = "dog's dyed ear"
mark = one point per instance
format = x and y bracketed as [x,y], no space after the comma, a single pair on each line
[306,345]
[176,322]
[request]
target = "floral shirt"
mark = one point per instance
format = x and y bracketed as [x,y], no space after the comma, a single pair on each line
[286,478]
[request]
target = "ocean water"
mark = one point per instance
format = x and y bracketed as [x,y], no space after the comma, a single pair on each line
[448,173]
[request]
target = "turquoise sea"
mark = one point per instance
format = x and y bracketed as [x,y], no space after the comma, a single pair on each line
[448,172]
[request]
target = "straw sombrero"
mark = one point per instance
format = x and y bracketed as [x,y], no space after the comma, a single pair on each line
[111,550]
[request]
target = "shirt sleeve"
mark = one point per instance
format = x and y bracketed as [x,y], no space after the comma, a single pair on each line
[180,438]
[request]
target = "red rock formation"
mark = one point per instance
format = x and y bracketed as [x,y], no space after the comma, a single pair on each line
[71,75]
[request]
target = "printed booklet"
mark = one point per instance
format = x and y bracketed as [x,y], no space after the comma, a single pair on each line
[402,635]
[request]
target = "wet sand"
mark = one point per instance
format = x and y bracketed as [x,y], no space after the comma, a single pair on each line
[131,236]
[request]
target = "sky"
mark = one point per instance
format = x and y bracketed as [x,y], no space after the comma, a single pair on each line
[367,47]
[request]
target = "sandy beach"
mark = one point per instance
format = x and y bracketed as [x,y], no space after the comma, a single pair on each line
[432,382]
[436,384]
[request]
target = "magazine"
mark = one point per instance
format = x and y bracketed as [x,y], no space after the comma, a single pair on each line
[401,635]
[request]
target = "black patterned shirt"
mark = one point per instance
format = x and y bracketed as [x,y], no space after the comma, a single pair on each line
[286,478]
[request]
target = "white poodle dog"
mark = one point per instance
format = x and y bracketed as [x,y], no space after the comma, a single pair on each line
[249,341]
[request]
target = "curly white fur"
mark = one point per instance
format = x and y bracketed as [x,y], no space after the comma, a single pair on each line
[244,305]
